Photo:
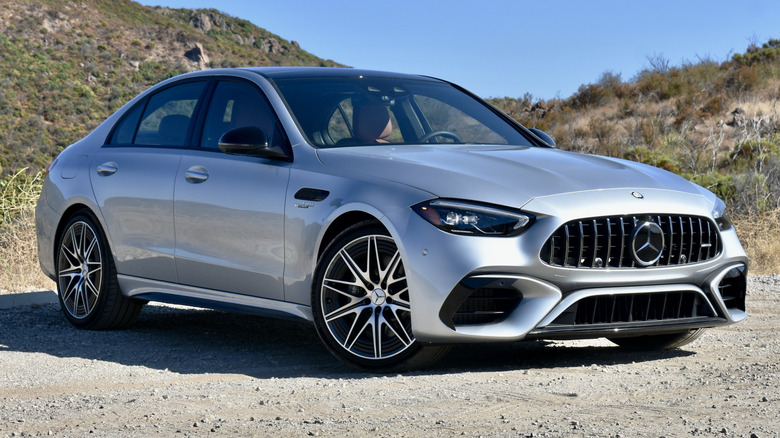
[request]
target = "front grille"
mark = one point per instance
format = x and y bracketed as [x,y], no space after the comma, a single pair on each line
[605,242]
[635,308]
[487,305]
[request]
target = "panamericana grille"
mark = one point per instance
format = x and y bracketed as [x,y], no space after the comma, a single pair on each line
[605,242]
[635,308]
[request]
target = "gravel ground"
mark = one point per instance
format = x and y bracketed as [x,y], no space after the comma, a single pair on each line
[189,372]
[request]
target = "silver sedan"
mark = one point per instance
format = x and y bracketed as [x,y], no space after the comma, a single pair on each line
[398,213]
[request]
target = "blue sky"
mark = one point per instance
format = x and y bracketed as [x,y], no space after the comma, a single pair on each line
[509,48]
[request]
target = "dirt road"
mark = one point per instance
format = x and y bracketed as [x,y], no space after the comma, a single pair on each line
[186,372]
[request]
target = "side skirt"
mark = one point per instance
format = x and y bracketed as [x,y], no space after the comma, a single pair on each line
[152,290]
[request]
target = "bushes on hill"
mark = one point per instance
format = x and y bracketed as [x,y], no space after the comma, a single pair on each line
[717,124]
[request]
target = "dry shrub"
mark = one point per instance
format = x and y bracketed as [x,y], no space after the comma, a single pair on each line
[755,107]
[760,235]
[19,269]
[713,106]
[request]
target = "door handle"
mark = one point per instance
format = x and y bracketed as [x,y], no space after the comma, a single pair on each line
[107,169]
[196,174]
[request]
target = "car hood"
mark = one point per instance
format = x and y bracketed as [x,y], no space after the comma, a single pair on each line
[502,175]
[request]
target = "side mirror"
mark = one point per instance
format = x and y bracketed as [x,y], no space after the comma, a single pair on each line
[250,141]
[545,137]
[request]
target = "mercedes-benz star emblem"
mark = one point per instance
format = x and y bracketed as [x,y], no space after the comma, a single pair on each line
[647,243]
[378,297]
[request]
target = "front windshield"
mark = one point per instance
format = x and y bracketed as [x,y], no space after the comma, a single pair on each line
[360,111]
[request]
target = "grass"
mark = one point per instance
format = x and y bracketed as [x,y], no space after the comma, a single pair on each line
[760,235]
[19,269]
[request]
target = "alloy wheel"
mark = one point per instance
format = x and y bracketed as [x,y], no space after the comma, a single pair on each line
[365,300]
[80,269]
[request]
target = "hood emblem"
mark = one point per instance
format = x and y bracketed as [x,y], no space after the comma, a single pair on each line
[647,243]
[637,195]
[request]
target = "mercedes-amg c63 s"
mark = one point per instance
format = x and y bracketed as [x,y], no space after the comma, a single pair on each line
[398,213]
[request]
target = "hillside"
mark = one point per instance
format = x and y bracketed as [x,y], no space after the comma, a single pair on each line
[66,65]
[715,123]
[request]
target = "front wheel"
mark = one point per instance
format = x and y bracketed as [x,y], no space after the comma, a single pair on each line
[659,342]
[86,279]
[361,305]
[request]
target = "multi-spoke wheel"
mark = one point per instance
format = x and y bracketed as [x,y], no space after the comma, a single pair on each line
[86,279]
[361,303]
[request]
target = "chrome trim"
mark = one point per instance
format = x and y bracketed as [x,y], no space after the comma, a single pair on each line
[607,330]
[587,293]
[652,228]
[142,288]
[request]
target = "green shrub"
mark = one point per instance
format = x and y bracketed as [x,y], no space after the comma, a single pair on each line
[721,184]
[653,157]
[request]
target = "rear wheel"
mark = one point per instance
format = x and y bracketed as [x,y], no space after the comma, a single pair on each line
[659,342]
[361,305]
[86,279]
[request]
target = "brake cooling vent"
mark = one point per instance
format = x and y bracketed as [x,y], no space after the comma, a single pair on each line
[606,242]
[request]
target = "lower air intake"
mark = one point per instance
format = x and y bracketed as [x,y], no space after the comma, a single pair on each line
[629,308]
[487,305]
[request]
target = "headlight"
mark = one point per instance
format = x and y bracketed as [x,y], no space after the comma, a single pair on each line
[719,214]
[471,218]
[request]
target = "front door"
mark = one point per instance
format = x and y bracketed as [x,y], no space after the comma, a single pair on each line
[229,210]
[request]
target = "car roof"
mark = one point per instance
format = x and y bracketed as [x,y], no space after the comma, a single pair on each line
[328,72]
[292,72]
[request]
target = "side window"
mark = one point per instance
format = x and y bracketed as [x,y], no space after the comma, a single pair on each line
[237,104]
[338,129]
[167,116]
[125,130]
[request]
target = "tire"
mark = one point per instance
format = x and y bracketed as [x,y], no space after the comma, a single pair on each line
[659,342]
[361,305]
[87,285]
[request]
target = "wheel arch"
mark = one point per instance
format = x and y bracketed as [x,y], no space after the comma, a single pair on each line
[341,223]
[66,216]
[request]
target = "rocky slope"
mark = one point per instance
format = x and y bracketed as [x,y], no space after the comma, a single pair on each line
[69,64]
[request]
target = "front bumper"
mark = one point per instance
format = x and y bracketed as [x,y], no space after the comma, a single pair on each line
[482,289]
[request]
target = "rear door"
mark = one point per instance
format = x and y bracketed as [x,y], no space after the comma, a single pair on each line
[133,179]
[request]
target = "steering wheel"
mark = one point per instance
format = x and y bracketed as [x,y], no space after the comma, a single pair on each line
[433,134]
